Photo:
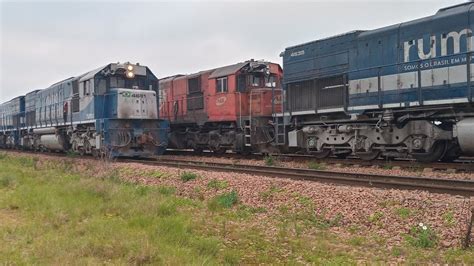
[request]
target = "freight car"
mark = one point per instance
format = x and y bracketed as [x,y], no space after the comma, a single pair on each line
[401,91]
[227,108]
[110,111]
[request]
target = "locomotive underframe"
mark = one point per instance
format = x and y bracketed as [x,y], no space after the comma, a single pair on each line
[120,140]
[425,134]
[252,135]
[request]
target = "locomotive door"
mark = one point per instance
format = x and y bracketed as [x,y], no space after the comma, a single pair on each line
[255,103]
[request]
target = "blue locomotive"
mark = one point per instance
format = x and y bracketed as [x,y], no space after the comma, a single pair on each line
[111,111]
[404,90]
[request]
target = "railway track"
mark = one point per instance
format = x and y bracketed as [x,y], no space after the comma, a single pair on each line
[461,165]
[437,185]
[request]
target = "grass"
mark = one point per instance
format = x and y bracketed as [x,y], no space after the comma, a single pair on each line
[51,213]
[403,212]
[316,166]
[50,216]
[225,200]
[217,184]
[188,176]
[270,160]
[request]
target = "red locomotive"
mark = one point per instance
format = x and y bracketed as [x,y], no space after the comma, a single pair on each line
[227,108]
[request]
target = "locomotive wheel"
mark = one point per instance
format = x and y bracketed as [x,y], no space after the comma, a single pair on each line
[321,154]
[435,154]
[452,153]
[342,155]
[220,151]
[368,156]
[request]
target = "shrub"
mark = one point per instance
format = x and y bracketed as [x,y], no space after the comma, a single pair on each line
[187,176]
[422,236]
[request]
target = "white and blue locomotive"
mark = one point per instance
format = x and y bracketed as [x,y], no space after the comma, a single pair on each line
[405,90]
[110,111]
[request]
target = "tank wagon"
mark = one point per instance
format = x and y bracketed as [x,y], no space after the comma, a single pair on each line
[226,108]
[398,91]
[111,111]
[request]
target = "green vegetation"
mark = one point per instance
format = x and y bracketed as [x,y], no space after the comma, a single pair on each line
[403,212]
[217,184]
[422,236]
[187,176]
[269,160]
[375,217]
[225,200]
[269,193]
[449,219]
[52,212]
[316,166]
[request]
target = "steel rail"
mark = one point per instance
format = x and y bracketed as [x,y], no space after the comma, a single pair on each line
[463,165]
[437,185]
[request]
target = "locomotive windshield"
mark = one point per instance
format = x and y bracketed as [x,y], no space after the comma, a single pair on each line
[138,82]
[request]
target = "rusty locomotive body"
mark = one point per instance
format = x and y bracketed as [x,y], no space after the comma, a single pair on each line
[227,108]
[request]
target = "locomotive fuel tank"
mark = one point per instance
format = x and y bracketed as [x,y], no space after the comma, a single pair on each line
[53,142]
[464,131]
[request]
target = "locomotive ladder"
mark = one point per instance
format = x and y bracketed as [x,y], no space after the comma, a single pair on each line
[247,132]
[280,137]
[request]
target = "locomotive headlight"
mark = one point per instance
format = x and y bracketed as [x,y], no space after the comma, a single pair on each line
[129,67]
[130,74]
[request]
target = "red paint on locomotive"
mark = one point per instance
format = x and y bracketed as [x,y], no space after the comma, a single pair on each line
[221,102]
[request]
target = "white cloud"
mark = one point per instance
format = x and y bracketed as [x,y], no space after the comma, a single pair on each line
[44,42]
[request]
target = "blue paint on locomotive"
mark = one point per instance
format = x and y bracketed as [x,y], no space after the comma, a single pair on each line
[91,99]
[421,62]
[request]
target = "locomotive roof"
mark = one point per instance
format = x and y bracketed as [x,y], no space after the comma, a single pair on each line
[227,70]
[354,32]
[92,73]
[215,73]
[450,10]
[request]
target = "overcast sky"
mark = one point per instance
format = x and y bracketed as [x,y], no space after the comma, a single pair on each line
[44,42]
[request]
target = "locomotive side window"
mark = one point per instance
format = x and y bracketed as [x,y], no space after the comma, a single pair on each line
[241,83]
[270,81]
[221,85]
[255,81]
[194,85]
